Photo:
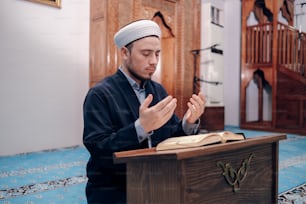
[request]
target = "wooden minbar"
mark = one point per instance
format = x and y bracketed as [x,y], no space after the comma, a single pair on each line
[236,172]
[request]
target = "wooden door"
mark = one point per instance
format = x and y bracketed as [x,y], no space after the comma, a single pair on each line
[179,21]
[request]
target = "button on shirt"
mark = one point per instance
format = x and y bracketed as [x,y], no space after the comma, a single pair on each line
[141,95]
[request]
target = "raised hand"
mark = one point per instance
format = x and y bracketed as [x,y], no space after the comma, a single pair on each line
[196,107]
[152,118]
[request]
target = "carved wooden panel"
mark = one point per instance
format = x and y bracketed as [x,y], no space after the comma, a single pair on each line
[288,113]
[103,25]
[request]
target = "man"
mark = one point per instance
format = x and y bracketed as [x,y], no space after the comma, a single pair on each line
[128,111]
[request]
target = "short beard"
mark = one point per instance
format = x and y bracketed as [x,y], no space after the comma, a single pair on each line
[136,76]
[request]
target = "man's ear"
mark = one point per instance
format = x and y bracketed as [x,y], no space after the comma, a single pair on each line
[124,52]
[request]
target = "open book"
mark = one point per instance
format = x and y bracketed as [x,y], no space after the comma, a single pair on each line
[198,140]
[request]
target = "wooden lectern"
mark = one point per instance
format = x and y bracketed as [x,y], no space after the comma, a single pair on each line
[236,172]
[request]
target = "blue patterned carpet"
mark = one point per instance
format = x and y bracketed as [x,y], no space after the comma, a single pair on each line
[47,177]
[58,177]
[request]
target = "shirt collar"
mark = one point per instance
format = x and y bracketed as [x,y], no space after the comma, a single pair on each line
[132,82]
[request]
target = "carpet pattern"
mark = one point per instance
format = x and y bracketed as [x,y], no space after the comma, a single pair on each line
[50,177]
[40,187]
[296,195]
[58,176]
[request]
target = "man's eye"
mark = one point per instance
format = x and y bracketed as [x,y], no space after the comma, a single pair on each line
[146,54]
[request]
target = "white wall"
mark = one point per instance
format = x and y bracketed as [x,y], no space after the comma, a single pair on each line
[300,15]
[211,64]
[231,57]
[44,65]
[232,44]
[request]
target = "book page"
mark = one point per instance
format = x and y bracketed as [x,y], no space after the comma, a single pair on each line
[198,140]
[189,141]
[229,136]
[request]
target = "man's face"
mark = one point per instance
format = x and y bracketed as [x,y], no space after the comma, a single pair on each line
[140,63]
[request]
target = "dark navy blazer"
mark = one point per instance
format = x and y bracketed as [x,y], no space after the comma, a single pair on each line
[110,111]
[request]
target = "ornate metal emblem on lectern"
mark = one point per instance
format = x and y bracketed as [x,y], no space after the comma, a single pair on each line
[233,177]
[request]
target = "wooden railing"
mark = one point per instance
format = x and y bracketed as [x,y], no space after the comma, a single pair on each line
[291,50]
[259,44]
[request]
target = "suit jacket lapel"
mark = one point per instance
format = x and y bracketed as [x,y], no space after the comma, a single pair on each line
[127,93]
[150,90]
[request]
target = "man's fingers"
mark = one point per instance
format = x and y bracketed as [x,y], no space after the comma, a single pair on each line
[154,117]
[167,112]
[196,107]
[197,104]
[163,103]
[147,102]
[201,95]
[200,99]
[170,107]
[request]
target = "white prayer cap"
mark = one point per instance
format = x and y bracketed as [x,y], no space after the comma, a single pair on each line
[135,31]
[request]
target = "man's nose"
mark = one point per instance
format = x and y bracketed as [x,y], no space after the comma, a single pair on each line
[153,59]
